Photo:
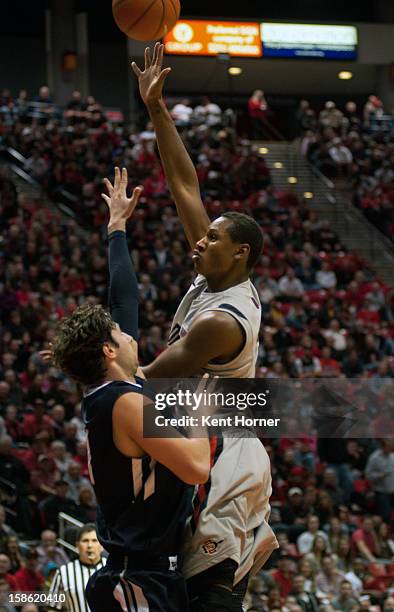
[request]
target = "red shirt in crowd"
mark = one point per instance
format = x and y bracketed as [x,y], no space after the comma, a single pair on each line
[29,580]
[285,583]
[361,536]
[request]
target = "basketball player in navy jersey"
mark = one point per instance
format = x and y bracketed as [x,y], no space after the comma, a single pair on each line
[141,484]
[216,330]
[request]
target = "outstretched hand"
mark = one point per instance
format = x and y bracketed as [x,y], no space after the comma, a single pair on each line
[151,79]
[120,206]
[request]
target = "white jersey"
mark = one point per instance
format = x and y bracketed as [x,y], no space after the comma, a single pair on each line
[241,302]
[231,512]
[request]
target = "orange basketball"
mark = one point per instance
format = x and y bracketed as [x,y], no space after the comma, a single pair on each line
[146,19]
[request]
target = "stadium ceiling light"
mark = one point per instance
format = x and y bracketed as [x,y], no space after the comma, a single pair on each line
[308,195]
[278,165]
[235,70]
[292,180]
[263,150]
[345,75]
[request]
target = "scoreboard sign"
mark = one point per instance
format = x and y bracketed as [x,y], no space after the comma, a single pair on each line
[301,40]
[239,39]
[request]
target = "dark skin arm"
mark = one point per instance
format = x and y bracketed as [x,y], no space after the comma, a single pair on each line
[213,336]
[179,169]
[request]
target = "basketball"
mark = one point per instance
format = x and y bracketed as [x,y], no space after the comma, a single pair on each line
[146,19]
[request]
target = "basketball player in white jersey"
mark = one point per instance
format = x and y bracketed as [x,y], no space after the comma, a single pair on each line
[215,329]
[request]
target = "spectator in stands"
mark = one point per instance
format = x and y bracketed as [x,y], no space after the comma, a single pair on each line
[207,113]
[49,552]
[182,113]
[44,477]
[257,108]
[283,576]
[373,108]
[75,481]
[5,567]
[14,552]
[329,580]
[59,502]
[326,277]
[380,473]
[344,554]
[341,156]
[14,471]
[37,421]
[60,456]
[307,601]
[319,549]
[289,285]
[365,540]
[306,570]
[331,116]
[28,577]
[345,600]
[306,539]
[36,165]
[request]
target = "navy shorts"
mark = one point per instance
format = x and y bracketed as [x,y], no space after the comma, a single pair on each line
[137,585]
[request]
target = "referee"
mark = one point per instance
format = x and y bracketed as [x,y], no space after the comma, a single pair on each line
[71,578]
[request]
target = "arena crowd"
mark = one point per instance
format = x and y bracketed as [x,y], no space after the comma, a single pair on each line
[325,314]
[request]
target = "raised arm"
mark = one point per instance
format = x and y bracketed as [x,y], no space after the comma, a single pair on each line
[123,286]
[179,169]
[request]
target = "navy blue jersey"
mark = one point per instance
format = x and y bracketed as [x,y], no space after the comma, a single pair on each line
[143,506]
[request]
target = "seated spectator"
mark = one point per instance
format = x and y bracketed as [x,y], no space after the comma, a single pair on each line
[60,456]
[208,113]
[295,510]
[289,285]
[319,550]
[306,600]
[283,576]
[5,567]
[329,579]
[43,479]
[28,577]
[37,421]
[344,554]
[331,116]
[59,502]
[36,165]
[365,541]
[306,539]
[340,155]
[49,552]
[75,481]
[14,552]
[12,469]
[87,505]
[182,113]
[352,365]
[326,277]
[345,600]
[329,367]
[380,473]
[306,570]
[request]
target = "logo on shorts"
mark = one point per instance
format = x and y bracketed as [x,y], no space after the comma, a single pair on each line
[210,546]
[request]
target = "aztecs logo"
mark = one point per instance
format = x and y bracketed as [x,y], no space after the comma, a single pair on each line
[210,546]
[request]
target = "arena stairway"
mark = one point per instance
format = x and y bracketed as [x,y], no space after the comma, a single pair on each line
[290,171]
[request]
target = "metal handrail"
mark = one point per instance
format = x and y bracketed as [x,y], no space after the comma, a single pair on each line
[63,519]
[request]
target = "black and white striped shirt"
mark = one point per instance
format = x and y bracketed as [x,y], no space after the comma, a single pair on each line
[71,579]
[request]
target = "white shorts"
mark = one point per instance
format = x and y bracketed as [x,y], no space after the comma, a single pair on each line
[233,522]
